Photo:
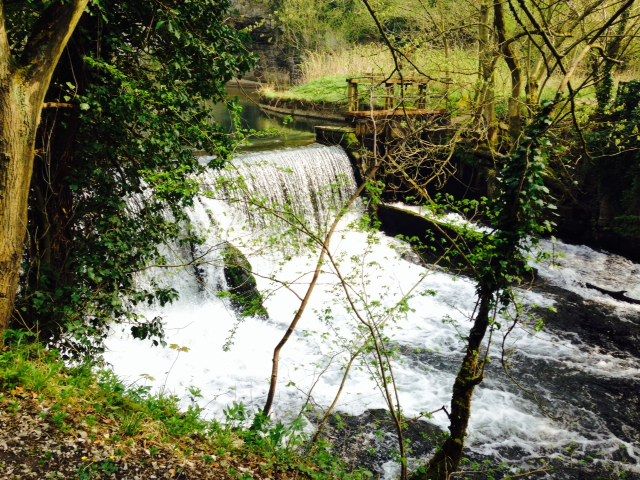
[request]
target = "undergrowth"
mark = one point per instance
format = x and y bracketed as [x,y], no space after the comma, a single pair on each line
[118,419]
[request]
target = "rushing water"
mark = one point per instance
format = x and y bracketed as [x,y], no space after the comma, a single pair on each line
[306,185]
[569,394]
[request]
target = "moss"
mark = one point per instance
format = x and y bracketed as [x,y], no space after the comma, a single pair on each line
[242,288]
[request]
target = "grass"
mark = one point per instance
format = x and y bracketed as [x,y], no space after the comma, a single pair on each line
[63,422]
[346,62]
[452,85]
[325,75]
[331,90]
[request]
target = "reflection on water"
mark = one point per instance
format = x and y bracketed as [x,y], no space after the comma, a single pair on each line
[284,131]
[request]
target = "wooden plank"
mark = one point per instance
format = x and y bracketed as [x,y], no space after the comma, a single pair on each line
[381,80]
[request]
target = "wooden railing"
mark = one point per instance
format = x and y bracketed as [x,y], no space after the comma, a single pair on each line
[392,97]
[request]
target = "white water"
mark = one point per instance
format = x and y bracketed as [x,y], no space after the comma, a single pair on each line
[573,266]
[316,354]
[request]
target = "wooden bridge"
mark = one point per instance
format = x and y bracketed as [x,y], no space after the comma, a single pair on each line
[398,100]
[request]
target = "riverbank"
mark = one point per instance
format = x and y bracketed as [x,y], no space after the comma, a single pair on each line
[324,99]
[73,423]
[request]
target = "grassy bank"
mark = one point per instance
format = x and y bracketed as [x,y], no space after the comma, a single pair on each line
[325,74]
[78,423]
[328,93]
[452,78]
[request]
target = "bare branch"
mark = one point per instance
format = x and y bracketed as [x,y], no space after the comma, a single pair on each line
[385,38]
[292,327]
[625,6]
[543,34]
[58,105]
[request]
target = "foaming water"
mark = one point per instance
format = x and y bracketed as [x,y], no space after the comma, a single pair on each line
[424,312]
[573,266]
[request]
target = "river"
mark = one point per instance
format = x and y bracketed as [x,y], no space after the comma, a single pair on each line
[278,130]
[564,401]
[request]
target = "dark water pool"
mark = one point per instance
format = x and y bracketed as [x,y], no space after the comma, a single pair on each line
[281,130]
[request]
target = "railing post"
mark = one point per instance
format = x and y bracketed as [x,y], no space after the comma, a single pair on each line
[352,95]
[389,95]
[422,96]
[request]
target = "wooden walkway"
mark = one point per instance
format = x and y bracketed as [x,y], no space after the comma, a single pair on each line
[381,104]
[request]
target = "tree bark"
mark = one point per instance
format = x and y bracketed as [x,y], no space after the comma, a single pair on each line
[447,458]
[23,85]
[487,61]
[515,110]
[18,120]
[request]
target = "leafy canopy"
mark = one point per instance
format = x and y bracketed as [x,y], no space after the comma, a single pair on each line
[119,167]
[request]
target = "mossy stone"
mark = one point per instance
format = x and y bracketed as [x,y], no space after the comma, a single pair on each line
[242,288]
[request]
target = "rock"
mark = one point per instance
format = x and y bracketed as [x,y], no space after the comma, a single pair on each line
[242,289]
[429,237]
[369,440]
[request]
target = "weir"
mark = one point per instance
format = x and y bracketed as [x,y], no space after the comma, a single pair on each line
[308,183]
[384,111]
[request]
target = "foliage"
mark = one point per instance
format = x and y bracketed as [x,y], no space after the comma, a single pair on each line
[86,399]
[519,213]
[614,140]
[119,169]
[330,24]
[324,24]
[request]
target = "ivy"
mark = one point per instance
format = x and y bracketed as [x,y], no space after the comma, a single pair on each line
[124,161]
[614,141]
[520,213]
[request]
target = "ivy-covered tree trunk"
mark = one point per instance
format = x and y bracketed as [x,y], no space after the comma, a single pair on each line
[24,80]
[519,214]
[448,456]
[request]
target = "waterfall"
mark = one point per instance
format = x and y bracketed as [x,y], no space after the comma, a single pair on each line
[286,195]
[304,184]
[570,392]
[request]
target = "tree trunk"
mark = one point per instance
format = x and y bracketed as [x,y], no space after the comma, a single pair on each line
[24,81]
[509,55]
[18,123]
[487,61]
[447,458]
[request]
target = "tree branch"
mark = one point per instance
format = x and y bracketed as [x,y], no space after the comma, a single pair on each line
[628,4]
[54,105]
[544,35]
[385,38]
[49,37]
